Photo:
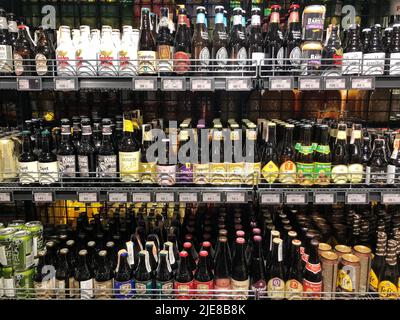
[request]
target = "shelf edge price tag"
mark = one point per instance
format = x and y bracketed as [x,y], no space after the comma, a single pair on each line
[310,83]
[335,83]
[280,84]
[178,84]
[202,84]
[165,197]
[390,198]
[271,198]
[88,197]
[188,197]
[117,197]
[29,84]
[141,197]
[324,198]
[145,84]
[6,197]
[43,197]
[211,197]
[356,198]
[238,84]
[296,198]
[363,83]
[63,84]
[236,197]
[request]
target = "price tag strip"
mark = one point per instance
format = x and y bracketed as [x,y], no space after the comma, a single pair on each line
[357,198]
[271,198]
[238,84]
[88,197]
[66,84]
[117,197]
[165,197]
[324,198]
[188,197]
[391,198]
[332,83]
[141,197]
[281,84]
[236,197]
[43,197]
[6,197]
[202,84]
[309,84]
[145,84]
[296,198]
[363,83]
[173,84]
[211,197]
[29,84]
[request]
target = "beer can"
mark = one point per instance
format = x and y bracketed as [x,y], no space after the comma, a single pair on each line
[22,256]
[36,228]
[365,255]
[16,224]
[329,265]
[341,249]
[8,281]
[348,279]
[6,248]
[23,283]
[313,23]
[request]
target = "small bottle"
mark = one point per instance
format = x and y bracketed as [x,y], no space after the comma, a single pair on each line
[124,285]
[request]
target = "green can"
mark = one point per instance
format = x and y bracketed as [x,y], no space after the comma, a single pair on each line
[22,257]
[6,246]
[16,224]
[8,280]
[23,283]
[36,228]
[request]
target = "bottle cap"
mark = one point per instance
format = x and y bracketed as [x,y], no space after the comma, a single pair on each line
[183,254]
[207,244]
[240,234]
[240,241]
[203,253]
[256,231]
[187,245]
[257,238]
[83,252]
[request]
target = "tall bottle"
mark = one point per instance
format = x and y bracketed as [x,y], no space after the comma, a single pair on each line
[27,161]
[166,166]
[84,276]
[219,50]
[124,284]
[388,283]
[103,277]
[143,276]
[183,46]
[185,168]
[66,152]
[287,165]
[217,165]
[305,158]
[107,158]
[273,41]
[222,280]
[322,158]
[378,262]
[394,51]
[201,168]
[257,268]
[256,41]
[12,29]
[393,169]
[292,51]
[184,278]
[48,164]
[42,284]
[376,171]
[23,52]
[240,278]
[164,276]
[251,152]
[270,169]
[374,56]
[147,165]
[333,52]
[86,152]
[353,52]
[340,156]
[203,278]
[237,41]
[165,46]
[356,168]
[108,54]
[129,154]
[86,54]
[294,278]
[44,53]
[276,275]
[62,275]
[65,53]
[312,274]
[147,53]
[200,41]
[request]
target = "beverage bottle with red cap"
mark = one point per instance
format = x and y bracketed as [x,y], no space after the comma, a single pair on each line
[312,275]
[203,278]
[208,247]
[188,247]
[183,284]
[223,265]
[257,268]
[240,275]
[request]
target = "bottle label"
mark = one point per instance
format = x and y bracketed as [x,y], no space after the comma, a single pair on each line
[86,60]
[129,166]
[287,172]
[107,166]
[280,56]
[165,289]
[255,20]
[276,288]
[184,291]
[373,281]
[103,289]
[41,64]
[312,289]
[201,18]
[374,63]
[86,289]
[222,287]
[148,172]
[261,287]
[352,62]
[322,172]
[48,172]
[83,164]
[73,287]
[340,174]
[375,175]
[201,173]
[252,172]
[28,172]
[185,172]
[235,172]
[107,60]
[204,56]
[60,289]
[395,64]
[240,289]
[241,56]
[270,172]
[346,280]
[125,289]
[293,289]
[6,55]
[143,289]
[295,57]
[203,289]
[165,56]
[222,56]
[393,173]
[18,64]
[66,165]
[387,289]
[181,62]
[166,175]
[147,62]
[217,173]
[356,171]
[314,268]
[257,58]
[305,172]
[219,18]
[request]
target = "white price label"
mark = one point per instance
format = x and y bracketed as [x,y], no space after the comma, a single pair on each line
[88,197]
[237,84]
[362,83]
[23,84]
[188,197]
[173,84]
[201,85]
[324,198]
[117,197]
[270,198]
[43,197]
[335,84]
[296,198]
[310,84]
[165,197]
[145,84]
[357,198]
[390,198]
[281,84]
[236,197]
[65,84]
[29,84]
[211,197]
[5,197]
[141,197]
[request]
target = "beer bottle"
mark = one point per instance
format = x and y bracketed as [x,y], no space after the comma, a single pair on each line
[323,165]
[147,166]
[107,158]
[12,29]
[27,161]
[165,47]
[374,56]
[270,169]
[376,170]
[76,131]
[305,158]
[5,46]
[222,281]
[353,52]
[201,168]
[217,165]
[183,47]
[292,51]
[86,151]
[184,278]
[257,268]
[43,53]
[66,152]
[112,254]
[256,41]
[23,52]
[388,283]
[124,284]
[219,50]
[147,53]
[356,169]
[166,167]
[276,279]
[200,41]
[240,278]
[72,262]
[312,274]
[151,248]
[238,43]
[48,164]
[43,288]
[65,53]
[366,38]
[273,43]
[164,277]
[387,38]
[294,278]
[185,169]
[103,277]
[340,156]
[188,247]
[234,155]
[287,168]
[333,52]
[108,53]
[91,257]
[83,276]
[394,163]
[129,154]
[62,275]
[203,278]
[144,276]
[86,54]
[378,262]
[394,51]
[169,247]
[366,147]
[252,165]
